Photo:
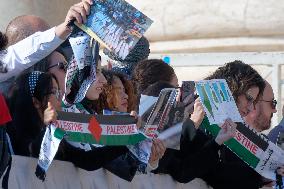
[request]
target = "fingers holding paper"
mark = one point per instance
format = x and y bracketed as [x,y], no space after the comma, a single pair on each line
[228,131]
[157,151]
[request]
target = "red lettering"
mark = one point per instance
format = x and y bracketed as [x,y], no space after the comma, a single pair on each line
[56,124]
[120,130]
[239,136]
[69,126]
[111,130]
[254,149]
[132,129]
[108,129]
[248,144]
[117,129]
[244,140]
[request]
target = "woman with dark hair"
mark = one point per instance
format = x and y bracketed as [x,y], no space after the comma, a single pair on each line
[33,104]
[54,63]
[226,169]
[246,86]
[244,82]
[151,71]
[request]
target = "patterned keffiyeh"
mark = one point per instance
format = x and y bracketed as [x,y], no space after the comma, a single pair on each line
[86,53]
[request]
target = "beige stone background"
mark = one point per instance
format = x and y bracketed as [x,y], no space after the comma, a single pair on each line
[185,25]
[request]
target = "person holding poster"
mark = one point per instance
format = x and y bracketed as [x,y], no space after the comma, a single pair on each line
[246,86]
[118,98]
[208,155]
[86,82]
[20,56]
[226,170]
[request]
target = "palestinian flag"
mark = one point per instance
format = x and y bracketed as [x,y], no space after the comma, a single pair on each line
[253,148]
[49,146]
[99,129]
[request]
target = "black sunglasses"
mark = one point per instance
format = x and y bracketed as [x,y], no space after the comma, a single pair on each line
[60,65]
[273,103]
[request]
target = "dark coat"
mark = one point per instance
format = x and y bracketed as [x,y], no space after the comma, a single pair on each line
[201,157]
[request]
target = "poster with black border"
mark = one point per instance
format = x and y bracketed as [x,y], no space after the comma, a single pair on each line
[116,25]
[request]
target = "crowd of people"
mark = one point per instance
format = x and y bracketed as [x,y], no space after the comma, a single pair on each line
[34,60]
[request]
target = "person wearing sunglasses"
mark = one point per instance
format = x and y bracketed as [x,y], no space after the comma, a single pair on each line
[33,104]
[56,64]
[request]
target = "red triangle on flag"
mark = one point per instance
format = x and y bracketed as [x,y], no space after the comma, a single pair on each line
[95,128]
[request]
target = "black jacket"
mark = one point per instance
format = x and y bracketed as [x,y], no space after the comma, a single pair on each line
[201,157]
[196,157]
[88,160]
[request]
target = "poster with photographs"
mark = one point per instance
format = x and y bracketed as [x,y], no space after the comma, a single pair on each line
[157,116]
[217,101]
[117,24]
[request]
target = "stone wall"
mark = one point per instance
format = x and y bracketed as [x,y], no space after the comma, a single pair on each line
[186,25]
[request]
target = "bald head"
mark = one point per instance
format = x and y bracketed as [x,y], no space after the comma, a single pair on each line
[23,26]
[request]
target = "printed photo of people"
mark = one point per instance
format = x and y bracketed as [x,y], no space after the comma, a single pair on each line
[118,24]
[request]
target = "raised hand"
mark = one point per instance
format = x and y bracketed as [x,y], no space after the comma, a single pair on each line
[157,151]
[138,118]
[77,12]
[189,105]
[198,113]
[228,131]
[49,114]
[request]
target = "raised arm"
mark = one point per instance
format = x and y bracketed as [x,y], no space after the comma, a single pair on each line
[32,49]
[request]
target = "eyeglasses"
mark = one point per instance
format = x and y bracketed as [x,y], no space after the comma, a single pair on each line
[60,65]
[273,103]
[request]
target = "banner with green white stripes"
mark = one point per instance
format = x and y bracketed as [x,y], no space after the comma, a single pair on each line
[252,147]
[76,127]
[99,129]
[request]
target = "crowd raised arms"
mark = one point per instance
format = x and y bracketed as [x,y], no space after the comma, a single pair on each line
[40,77]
